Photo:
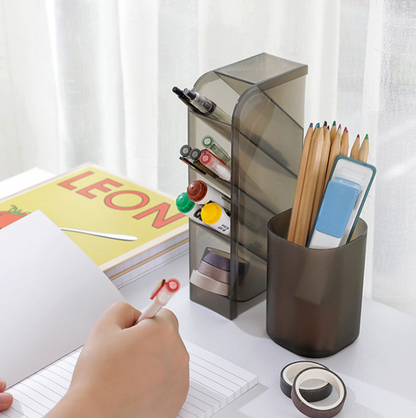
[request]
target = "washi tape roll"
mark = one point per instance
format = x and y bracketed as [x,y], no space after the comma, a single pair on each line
[314,410]
[221,260]
[311,393]
[214,272]
[217,258]
[207,283]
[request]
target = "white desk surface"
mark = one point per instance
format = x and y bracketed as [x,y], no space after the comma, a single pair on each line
[379,368]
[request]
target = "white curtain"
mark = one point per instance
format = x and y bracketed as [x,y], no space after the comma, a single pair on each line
[91,80]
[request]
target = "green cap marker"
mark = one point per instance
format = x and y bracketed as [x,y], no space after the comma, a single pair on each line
[183,203]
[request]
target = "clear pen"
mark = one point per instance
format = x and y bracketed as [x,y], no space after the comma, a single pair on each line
[160,297]
[206,106]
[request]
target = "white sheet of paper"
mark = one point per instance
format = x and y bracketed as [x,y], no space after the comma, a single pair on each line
[51,294]
[214,383]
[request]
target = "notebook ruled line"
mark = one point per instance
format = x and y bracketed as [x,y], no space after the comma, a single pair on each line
[214,383]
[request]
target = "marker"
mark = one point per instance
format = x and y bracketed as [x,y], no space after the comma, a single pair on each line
[195,154]
[216,217]
[211,161]
[185,150]
[160,297]
[185,99]
[189,208]
[201,168]
[216,148]
[206,106]
[200,192]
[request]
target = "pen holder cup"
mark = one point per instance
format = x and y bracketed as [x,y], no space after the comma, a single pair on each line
[314,296]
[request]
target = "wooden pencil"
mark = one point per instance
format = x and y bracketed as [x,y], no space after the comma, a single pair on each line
[355,150]
[334,152]
[333,131]
[320,185]
[345,143]
[309,188]
[364,150]
[300,182]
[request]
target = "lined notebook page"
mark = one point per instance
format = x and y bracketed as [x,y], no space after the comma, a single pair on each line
[214,383]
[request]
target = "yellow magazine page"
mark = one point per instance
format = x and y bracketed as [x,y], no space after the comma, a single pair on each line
[92,199]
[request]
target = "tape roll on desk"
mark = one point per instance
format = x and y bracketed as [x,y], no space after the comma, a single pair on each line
[318,411]
[311,393]
[210,284]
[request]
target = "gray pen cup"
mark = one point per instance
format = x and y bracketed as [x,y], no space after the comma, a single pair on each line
[314,296]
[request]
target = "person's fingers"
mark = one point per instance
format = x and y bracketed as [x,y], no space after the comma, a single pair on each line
[119,314]
[6,400]
[2,385]
[168,315]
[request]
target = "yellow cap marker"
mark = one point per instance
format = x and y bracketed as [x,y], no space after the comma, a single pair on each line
[216,217]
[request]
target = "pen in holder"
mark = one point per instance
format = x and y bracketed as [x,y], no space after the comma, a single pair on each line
[314,296]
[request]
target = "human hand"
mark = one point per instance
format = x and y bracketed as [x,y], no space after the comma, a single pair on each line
[129,371]
[6,399]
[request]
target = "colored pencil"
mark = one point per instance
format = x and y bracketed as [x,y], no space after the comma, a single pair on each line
[333,131]
[355,150]
[334,152]
[309,188]
[345,143]
[320,186]
[300,182]
[364,150]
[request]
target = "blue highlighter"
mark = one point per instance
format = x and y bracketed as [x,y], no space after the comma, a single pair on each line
[340,199]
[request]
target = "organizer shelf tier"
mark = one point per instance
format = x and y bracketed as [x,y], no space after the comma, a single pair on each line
[264,95]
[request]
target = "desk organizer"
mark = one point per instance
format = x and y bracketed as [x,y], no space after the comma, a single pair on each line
[314,296]
[264,95]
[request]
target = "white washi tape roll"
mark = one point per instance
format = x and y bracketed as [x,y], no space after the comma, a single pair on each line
[313,410]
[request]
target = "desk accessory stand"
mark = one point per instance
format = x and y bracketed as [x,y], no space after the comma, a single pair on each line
[264,95]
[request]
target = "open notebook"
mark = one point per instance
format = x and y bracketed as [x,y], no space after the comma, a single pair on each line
[214,383]
[54,268]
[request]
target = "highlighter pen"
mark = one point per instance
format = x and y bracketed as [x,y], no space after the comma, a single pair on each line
[200,192]
[185,99]
[160,297]
[211,161]
[206,106]
[216,148]
[189,208]
[216,217]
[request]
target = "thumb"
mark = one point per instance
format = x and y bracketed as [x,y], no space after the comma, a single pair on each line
[6,400]
[119,315]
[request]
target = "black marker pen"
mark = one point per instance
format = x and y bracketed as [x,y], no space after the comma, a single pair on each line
[185,99]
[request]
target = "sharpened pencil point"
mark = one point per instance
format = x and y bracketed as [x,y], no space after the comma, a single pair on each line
[325,123]
[335,123]
[318,125]
[366,136]
[311,125]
